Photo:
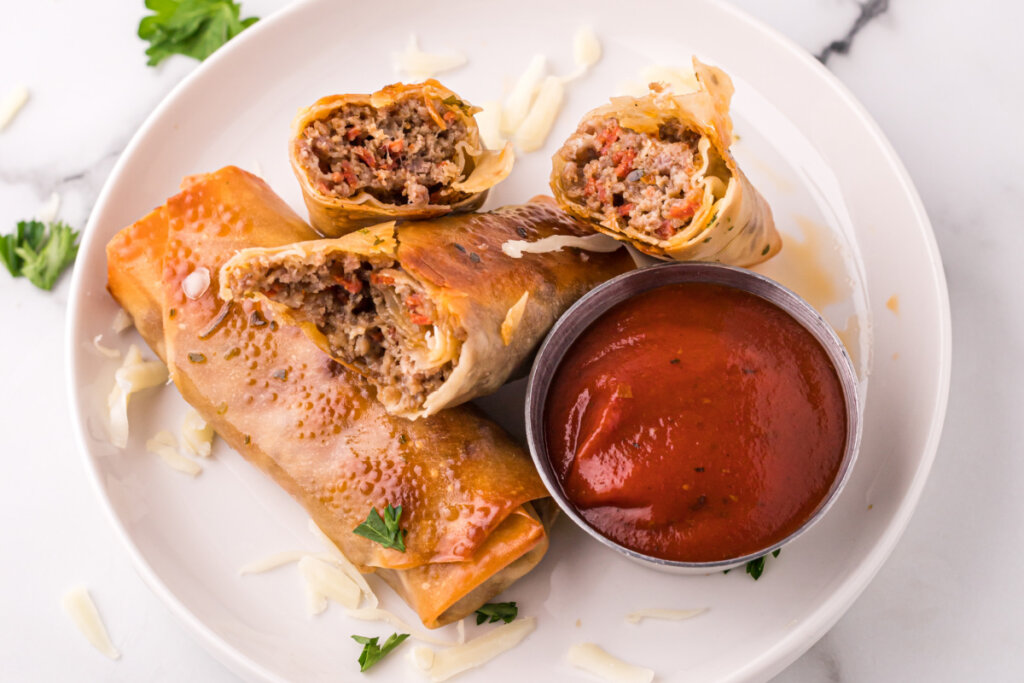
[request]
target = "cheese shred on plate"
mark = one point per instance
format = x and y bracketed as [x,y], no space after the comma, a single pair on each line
[78,605]
[596,242]
[666,614]
[326,581]
[593,659]
[122,321]
[135,374]
[272,562]
[440,665]
[345,564]
[197,434]
[166,446]
[517,104]
[419,65]
[105,350]
[533,131]
[11,104]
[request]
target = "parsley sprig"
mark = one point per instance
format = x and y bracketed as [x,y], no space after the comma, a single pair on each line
[372,652]
[497,611]
[194,28]
[756,566]
[39,252]
[384,530]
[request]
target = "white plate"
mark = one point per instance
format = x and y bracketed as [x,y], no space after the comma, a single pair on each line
[856,235]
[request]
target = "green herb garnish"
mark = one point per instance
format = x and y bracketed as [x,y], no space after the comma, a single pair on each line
[197,357]
[497,611]
[383,530]
[372,652]
[756,567]
[766,249]
[453,101]
[39,252]
[194,28]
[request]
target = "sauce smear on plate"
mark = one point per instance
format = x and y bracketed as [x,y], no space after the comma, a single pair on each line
[696,422]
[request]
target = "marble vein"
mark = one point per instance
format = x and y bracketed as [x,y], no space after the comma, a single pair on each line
[868,11]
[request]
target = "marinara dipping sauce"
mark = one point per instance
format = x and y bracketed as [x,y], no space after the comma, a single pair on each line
[696,422]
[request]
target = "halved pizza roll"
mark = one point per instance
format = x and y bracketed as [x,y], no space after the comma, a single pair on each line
[433,313]
[656,171]
[407,151]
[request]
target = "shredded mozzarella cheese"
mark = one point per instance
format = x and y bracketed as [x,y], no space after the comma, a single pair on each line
[513,318]
[586,48]
[533,131]
[325,580]
[196,283]
[345,564]
[668,614]
[441,665]
[517,104]
[596,242]
[593,659]
[197,434]
[419,65]
[166,446]
[47,213]
[105,350]
[78,605]
[274,561]
[134,375]
[11,104]
[122,321]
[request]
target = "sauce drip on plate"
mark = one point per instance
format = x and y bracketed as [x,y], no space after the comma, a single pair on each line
[696,422]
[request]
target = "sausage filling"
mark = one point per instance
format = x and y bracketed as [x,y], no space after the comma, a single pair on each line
[375,318]
[634,180]
[407,153]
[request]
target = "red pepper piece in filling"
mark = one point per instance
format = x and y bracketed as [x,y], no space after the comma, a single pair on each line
[607,137]
[367,157]
[351,285]
[413,303]
[625,209]
[624,161]
[378,279]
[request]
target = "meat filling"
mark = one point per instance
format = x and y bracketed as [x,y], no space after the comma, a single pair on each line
[402,154]
[374,316]
[636,180]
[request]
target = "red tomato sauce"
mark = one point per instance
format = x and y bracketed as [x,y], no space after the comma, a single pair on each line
[696,422]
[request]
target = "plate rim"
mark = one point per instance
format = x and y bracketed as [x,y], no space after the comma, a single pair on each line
[770,661]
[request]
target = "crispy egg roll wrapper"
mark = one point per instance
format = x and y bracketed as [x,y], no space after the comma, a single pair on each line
[465,487]
[478,168]
[733,223]
[490,310]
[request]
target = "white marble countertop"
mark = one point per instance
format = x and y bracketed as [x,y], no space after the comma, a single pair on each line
[941,78]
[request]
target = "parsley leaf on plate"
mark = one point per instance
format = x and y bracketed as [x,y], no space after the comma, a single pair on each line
[194,28]
[384,530]
[372,652]
[39,252]
[497,611]
[756,567]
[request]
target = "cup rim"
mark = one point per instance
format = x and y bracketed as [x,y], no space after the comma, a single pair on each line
[585,311]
